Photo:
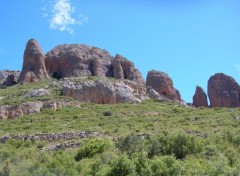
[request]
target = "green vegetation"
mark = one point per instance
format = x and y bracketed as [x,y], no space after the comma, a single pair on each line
[151,138]
[16,95]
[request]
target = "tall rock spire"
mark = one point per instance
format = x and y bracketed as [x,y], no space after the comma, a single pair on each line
[200,98]
[33,64]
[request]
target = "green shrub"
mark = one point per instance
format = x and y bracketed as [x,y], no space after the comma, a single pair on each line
[107,113]
[122,166]
[183,145]
[165,166]
[130,144]
[92,147]
[232,156]
[159,146]
[141,162]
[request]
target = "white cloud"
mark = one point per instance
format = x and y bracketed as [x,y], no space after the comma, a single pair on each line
[62,16]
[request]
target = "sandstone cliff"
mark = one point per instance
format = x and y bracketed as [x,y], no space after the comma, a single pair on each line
[33,64]
[82,60]
[223,91]
[200,98]
[163,85]
[104,91]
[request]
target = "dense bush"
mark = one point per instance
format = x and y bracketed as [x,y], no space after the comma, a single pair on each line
[107,113]
[183,145]
[92,147]
[131,144]
[122,166]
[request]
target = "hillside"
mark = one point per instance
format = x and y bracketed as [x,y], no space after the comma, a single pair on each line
[149,138]
[77,110]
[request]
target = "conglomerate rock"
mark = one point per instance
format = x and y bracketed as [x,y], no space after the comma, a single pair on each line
[33,63]
[200,98]
[223,91]
[104,91]
[163,85]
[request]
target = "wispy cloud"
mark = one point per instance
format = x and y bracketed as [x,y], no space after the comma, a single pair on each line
[62,16]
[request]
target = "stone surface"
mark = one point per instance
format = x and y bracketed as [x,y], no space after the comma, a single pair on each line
[223,91]
[12,80]
[154,95]
[104,91]
[81,60]
[37,93]
[163,85]
[78,60]
[8,77]
[200,98]
[125,69]
[102,67]
[13,111]
[33,64]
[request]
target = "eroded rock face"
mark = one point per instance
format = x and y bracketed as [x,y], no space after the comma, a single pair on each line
[12,79]
[9,78]
[33,64]
[13,111]
[104,91]
[37,93]
[200,98]
[82,60]
[124,69]
[163,85]
[223,91]
[78,60]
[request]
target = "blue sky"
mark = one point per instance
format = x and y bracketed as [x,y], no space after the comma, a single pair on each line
[189,40]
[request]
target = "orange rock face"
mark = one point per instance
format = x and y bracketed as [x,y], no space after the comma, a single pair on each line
[200,98]
[125,69]
[82,60]
[223,91]
[162,84]
[33,64]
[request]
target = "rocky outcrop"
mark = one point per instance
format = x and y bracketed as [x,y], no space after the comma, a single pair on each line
[9,78]
[78,60]
[13,111]
[163,85]
[33,64]
[200,98]
[51,137]
[223,91]
[37,93]
[154,95]
[102,67]
[124,69]
[104,91]
[68,139]
[82,60]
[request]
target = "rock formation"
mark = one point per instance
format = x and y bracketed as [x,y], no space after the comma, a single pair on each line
[200,98]
[103,91]
[9,78]
[12,79]
[124,69]
[82,60]
[34,63]
[13,111]
[78,60]
[163,85]
[223,91]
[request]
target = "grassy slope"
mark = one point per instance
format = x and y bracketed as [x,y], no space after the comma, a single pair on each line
[219,130]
